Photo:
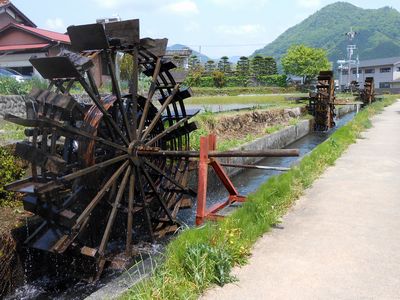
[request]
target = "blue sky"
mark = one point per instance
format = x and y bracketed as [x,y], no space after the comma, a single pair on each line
[221,27]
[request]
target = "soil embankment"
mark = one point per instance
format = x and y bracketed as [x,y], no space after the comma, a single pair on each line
[11,271]
[255,123]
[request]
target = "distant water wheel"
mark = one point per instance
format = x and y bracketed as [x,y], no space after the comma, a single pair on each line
[322,103]
[367,95]
[107,173]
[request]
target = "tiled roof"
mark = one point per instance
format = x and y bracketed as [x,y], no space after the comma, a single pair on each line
[23,47]
[50,35]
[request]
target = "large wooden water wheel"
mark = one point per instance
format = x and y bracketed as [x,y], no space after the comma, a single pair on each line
[112,170]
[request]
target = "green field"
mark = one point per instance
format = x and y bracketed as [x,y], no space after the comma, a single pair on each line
[273,99]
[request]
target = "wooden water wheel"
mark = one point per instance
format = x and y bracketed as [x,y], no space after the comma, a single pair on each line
[110,171]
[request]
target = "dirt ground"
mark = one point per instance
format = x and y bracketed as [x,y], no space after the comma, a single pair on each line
[11,272]
[240,125]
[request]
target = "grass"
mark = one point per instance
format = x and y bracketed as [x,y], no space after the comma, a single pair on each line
[201,257]
[273,100]
[10,132]
[234,91]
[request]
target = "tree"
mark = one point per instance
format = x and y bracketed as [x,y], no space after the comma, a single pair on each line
[270,67]
[224,65]
[194,63]
[219,79]
[126,67]
[304,61]
[179,61]
[209,66]
[257,66]
[243,67]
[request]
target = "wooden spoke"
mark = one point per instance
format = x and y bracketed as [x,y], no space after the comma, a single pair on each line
[156,193]
[145,205]
[131,198]
[114,210]
[99,195]
[167,131]
[149,97]
[59,182]
[189,191]
[105,113]
[117,92]
[83,218]
[159,113]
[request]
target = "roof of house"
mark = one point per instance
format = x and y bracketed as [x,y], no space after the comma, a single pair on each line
[379,62]
[7,4]
[23,47]
[46,34]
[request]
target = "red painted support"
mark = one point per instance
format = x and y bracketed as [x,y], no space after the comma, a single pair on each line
[202,180]
[209,143]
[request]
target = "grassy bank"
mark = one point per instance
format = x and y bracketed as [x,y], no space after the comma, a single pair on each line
[235,91]
[270,100]
[200,257]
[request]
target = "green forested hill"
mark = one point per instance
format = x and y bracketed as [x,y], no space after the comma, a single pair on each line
[378,32]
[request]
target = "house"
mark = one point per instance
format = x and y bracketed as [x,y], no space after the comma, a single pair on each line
[20,39]
[385,71]
[180,57]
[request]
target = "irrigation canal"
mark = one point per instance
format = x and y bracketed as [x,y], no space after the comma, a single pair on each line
[246,182]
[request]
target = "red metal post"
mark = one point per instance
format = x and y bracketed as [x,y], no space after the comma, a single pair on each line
[202,181]
[209,143]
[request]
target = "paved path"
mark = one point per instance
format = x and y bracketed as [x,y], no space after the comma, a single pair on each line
[342,238]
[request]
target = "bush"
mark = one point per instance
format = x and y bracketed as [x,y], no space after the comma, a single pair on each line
[10,170]
[10,86]
[220,80]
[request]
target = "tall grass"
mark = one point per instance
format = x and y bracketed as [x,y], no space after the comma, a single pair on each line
[201,257]
[276,100]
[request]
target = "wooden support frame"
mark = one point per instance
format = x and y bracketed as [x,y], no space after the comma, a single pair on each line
[209,143]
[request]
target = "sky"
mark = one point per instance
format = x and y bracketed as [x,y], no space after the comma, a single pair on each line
[215,27]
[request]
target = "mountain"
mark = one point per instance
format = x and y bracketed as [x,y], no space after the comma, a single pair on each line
[378,34]
[203,58]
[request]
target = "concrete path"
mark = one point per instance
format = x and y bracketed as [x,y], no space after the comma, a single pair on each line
[342,238]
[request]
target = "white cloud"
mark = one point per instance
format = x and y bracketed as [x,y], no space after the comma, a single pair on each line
[309,3]
[235,4]
[182,7]
[240,29]
[112,3]
[137,5]
[56,24]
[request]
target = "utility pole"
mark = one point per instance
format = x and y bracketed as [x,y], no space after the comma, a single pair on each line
[350,51]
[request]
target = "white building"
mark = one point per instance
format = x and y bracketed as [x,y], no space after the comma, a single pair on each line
[385,71]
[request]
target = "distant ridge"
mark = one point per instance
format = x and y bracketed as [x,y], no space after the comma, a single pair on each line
[378,32]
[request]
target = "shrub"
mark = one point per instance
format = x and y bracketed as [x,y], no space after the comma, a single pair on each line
[219,79]
[10,86]
[10,170]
